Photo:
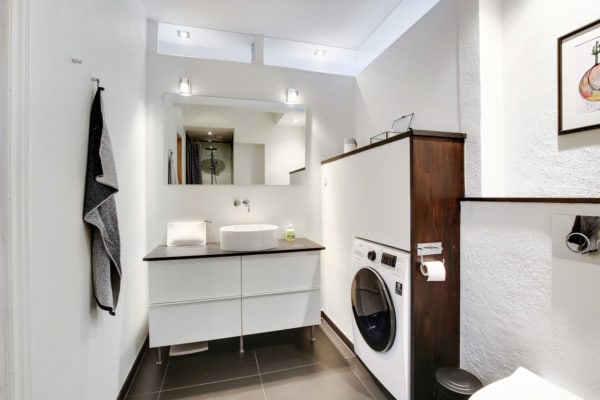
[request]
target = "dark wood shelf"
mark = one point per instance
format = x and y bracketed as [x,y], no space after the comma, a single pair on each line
[566,200]
[412,133]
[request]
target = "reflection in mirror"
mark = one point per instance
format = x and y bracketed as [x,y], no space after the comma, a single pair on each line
[218,141]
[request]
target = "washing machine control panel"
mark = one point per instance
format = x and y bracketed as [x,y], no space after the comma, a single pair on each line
[389,260]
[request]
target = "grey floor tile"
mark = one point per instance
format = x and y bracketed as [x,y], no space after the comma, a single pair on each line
[298,351]
[149,376]
[374,387]
[314,382]
[209,367]
[236,389]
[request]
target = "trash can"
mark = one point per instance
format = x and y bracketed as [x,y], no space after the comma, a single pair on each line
[455,384]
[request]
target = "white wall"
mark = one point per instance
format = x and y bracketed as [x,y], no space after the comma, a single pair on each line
[522,307]
[329,100]
[4,201]
[77,350]
[538,163]
[418,73]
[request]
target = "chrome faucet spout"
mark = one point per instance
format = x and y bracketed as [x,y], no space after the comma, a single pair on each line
[246,202]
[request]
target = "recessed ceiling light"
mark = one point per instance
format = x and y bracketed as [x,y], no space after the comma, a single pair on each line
[210,133]
[296,120]
[320,53]
[183,34]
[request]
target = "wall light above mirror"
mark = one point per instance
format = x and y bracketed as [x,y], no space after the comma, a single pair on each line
[225,141]
[185,86]
[292,96]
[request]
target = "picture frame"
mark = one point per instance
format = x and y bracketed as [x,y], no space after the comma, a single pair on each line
[579,80]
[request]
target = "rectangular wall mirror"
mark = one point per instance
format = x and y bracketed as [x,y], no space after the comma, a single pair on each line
[225,141]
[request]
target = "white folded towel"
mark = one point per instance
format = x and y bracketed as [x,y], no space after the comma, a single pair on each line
[186,233]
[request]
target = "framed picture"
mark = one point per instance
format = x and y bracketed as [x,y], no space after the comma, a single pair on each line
[579,80]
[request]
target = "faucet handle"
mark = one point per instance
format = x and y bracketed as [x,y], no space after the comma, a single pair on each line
[237,202]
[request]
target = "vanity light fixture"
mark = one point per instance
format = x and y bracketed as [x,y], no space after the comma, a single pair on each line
[209,132]
[292,96]
[320,53]
[183,34]
[185,86]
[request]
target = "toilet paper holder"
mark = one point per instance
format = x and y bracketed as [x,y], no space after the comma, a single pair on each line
[427,249]
[434,271]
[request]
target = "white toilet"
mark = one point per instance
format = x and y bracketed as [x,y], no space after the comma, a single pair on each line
[523,385]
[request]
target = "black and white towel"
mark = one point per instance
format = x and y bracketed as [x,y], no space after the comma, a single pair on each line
[100,211]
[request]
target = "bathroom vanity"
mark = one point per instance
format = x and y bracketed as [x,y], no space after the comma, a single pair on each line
[200,293]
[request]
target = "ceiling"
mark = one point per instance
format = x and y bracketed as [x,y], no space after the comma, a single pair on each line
[349,33]
[337,23]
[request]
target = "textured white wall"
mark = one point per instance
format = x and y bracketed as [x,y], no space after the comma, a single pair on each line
[469,96]
[492,99]
[77,350]
[418,73]
[329,99]
[538,163]
[522,307]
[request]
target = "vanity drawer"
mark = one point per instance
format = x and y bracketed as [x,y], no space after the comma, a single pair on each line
[194,279]
[264,313]
[194,321]
[280,272]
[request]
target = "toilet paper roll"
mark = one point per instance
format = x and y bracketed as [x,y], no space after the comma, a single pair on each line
[435,271]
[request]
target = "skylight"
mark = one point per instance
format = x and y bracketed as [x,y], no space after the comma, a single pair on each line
[227,46]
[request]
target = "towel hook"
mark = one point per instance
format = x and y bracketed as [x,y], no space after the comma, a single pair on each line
[97,80]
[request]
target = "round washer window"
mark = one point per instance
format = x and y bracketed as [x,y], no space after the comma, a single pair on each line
[373,309]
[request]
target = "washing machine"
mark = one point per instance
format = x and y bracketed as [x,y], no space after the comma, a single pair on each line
[380,296]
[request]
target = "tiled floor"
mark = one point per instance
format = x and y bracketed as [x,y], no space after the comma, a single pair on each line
[278,365]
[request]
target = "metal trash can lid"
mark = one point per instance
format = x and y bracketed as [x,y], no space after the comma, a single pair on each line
[458,380]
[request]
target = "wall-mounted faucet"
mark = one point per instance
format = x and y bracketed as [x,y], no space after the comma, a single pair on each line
[246,202]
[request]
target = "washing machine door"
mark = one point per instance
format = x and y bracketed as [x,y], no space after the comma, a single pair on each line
[373,309]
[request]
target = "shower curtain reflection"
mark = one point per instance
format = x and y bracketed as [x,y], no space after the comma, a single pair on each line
[193,174]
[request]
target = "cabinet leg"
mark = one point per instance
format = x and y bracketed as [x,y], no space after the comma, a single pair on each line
[312,333]
[159,356]
[241,344]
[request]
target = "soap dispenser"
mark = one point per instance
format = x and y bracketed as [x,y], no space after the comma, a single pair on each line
[290,233]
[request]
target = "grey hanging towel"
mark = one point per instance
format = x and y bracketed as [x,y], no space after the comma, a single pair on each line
[100,211]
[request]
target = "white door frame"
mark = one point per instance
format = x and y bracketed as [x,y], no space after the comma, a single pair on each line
[14,204]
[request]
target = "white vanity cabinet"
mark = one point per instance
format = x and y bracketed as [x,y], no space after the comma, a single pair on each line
[210,295]
[280,291]
[194,300]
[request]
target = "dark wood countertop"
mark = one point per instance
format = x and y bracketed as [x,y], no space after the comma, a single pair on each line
[162,253]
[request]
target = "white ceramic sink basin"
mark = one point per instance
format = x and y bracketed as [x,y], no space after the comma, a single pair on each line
[248,237]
